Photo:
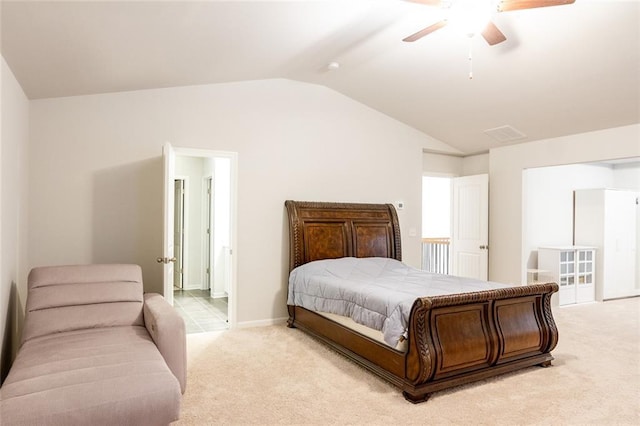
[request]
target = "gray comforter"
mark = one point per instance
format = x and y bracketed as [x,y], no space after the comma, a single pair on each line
[376,292]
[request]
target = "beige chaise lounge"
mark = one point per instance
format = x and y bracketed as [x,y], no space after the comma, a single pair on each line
[95,351]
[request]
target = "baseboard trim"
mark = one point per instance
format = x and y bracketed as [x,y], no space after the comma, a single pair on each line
[262,323]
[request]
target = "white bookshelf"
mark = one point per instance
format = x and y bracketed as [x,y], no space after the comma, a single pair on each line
[573,269]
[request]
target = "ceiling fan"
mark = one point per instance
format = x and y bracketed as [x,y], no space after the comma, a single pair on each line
[479,11]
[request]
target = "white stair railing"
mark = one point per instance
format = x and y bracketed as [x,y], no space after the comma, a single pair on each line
[435,255]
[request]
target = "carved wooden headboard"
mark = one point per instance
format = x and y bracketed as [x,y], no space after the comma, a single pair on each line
[332,230]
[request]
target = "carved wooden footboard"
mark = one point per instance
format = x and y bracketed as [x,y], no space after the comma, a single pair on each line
[471,336]
[452,340]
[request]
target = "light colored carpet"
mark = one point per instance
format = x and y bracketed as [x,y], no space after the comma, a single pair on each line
[276,375]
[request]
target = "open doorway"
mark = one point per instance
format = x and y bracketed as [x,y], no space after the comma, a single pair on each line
[436,224]
[455,225]
[574,208]
[202,208]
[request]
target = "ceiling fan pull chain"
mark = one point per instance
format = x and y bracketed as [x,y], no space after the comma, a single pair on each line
[470,57]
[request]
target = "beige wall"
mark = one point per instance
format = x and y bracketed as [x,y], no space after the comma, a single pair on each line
[475,165]
[450,165]
[97,173]
[441,164]
[547,197]
[14,135]
[509,252]
[508,255]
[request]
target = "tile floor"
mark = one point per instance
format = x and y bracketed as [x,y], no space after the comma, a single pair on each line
[201,312]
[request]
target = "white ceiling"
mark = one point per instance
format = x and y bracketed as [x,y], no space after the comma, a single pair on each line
[563,69]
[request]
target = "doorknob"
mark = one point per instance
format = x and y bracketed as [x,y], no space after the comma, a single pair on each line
[483,247]
[165,260]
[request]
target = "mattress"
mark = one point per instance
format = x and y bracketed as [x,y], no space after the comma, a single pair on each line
[363,329]
[375,292]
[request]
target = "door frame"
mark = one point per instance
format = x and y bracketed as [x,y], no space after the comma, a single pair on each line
[170,154]
[208,220]
[453,178]
[185,228]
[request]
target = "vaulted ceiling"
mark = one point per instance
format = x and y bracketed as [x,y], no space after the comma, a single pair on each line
[562,70]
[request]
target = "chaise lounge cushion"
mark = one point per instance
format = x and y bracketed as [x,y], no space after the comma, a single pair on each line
[110,375]
[95,351]
[64,298]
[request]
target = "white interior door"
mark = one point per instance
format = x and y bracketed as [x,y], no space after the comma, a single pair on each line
[168,259]
[470,233]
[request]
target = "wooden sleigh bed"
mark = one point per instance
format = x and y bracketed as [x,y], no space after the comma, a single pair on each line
[452,339]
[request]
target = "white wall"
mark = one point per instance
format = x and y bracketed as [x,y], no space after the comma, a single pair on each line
[508,258]
[475,165]
[192,170]
[627,175]
[96,173]
[450,165]
[222,226]
[548,203]
[14,136]
[436,207]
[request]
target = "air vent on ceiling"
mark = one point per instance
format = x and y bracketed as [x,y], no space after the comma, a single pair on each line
[505,134]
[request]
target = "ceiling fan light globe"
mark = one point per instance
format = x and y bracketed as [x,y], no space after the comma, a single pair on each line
[470,17]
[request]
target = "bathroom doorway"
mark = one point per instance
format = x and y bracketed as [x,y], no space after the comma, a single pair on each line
[203,207]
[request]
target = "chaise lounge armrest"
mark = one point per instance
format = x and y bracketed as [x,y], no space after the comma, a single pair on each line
[167,330]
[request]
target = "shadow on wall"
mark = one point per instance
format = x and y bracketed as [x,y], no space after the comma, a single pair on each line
[12,330]
[281,298]
[127,218]
[532,261]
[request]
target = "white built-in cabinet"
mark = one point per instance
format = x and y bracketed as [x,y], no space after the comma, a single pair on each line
[609,220]
[573,269]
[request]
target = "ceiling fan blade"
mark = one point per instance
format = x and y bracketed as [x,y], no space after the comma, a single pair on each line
[428,2]
[506,5]
[492,34]
[425,31]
